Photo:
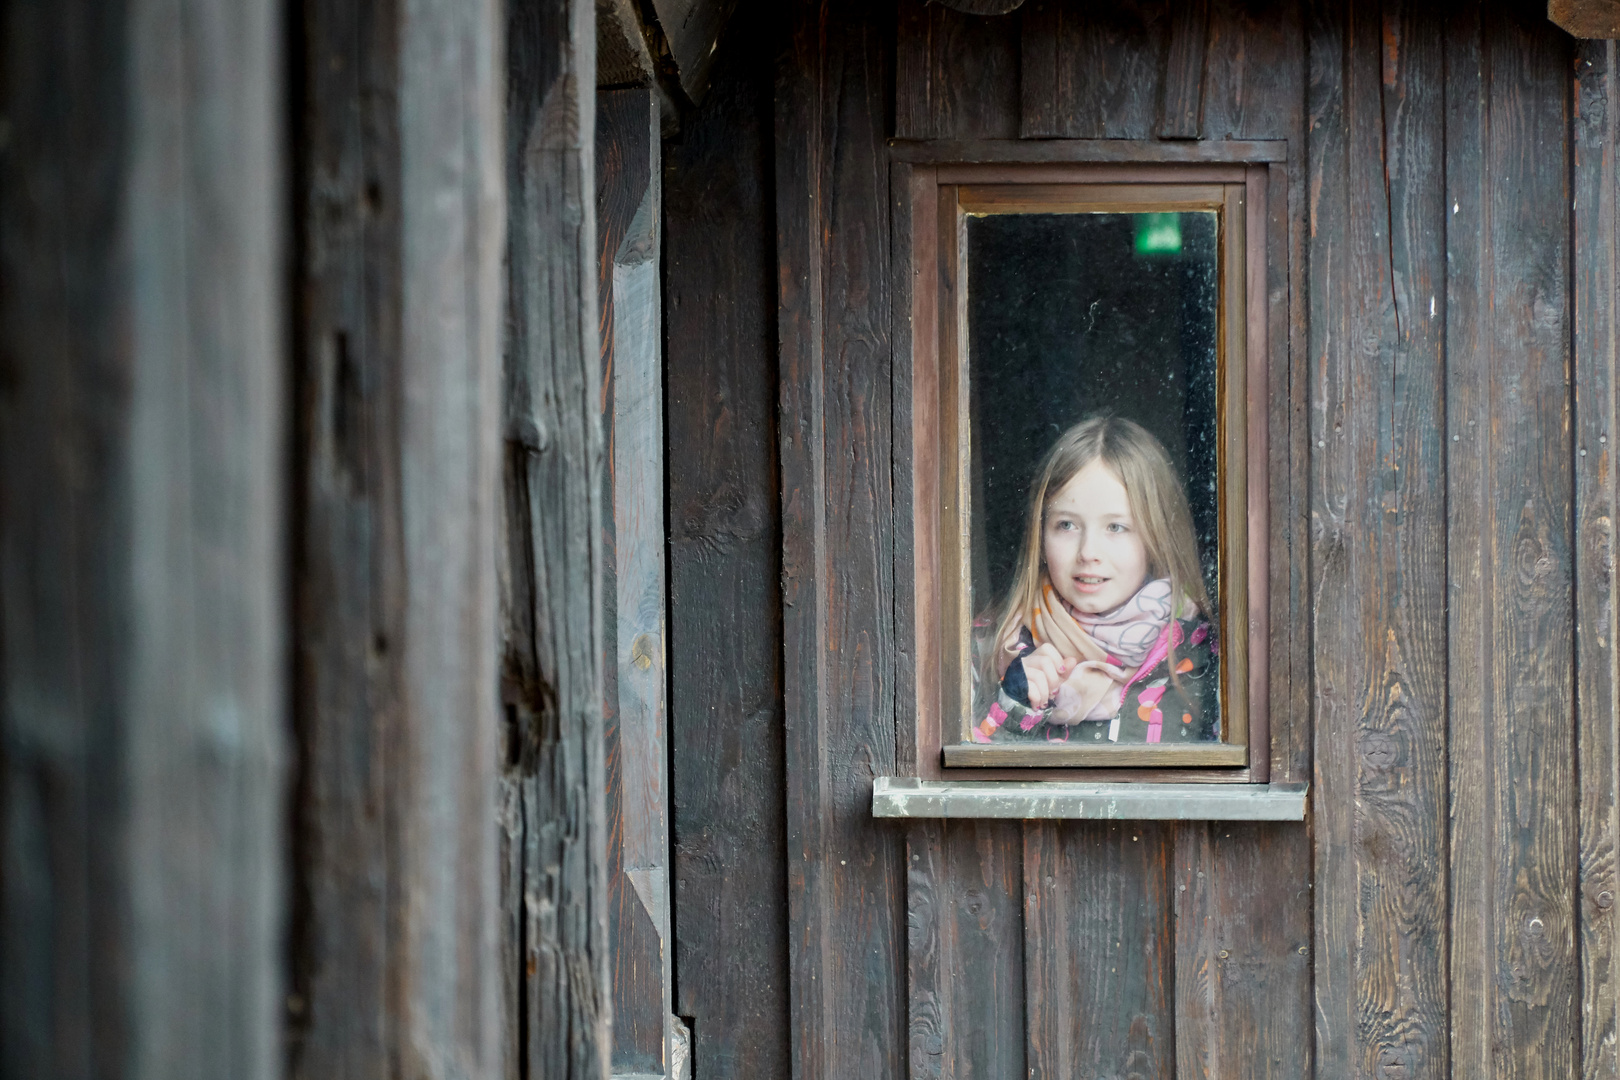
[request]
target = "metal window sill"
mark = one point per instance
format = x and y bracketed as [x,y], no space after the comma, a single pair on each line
[907,797]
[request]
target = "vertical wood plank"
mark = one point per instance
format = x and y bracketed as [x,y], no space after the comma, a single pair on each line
[1514,832]
[1251,81]
[1098,949]
[731,935]
[552,672]
[348,590]
[1242,938]
[846,886]
[1597,276]
[956,75]
[965,954]
[1094,71]
[693,30]
[142,617]
[1181,108]
[402,201]
[1378,562]
[629,211]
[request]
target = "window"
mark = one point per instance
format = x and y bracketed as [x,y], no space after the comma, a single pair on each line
[1089,454]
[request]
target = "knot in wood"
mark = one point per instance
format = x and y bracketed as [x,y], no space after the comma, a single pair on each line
[1379,751]
[1393,1064]
[528,434]
[1605,900]
[643,651]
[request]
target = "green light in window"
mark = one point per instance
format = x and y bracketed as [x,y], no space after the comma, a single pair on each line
[1158,234]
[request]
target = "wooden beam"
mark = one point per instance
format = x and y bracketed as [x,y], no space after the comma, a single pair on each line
[982,7]
[622,56]
[400,203]
[692,30]
[141,545]
[1586,18]
[629,204]
[1596,258]
[554,811]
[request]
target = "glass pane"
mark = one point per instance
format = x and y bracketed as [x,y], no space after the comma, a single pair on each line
[1092,345]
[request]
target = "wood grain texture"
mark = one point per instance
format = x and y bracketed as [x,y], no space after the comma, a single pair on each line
[1251,82]
[1514,832]
[348,590]
[846,885]
[956,75]
[1094,71]
[629,235]
[552,680]
[142,617]
[730,856]
[1378,558]
[1596,255]
[1586,18]
[1242,930]
[394,950]
[965,953]
[1098,949]
[692,30]
[1181,104]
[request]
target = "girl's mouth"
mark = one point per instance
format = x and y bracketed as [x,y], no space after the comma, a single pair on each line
[1086,583]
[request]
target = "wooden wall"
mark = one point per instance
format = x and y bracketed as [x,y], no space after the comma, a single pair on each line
[1440,293]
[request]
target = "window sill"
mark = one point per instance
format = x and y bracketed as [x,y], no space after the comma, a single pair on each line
[906,797]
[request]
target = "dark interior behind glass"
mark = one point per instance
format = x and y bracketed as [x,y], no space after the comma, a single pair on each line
[1070,315]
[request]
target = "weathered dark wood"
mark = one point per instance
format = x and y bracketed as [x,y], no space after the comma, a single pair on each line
[1596,255]
[552,671]
[394,945]
[1242,978]
[692,30]
[629,214]
[956,74]
[1085,151]
[982,7]
[1093,71]
[1251,82]
[142,619]
[1378,557]
[725,638]
[1182,106]
[1514,973]
[846,889]
[1586,18]
[1098,948]
[965,955]
[622,57]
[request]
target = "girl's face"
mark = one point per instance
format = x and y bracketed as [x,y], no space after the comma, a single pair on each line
[1094,552]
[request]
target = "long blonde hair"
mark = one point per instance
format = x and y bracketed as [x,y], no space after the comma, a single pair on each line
[1157,501]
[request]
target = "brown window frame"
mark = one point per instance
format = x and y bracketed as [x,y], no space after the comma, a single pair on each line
[938,196]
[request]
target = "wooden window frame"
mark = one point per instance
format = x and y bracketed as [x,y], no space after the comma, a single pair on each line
[938,193]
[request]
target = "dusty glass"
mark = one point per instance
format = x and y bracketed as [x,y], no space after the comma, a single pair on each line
[1093,339]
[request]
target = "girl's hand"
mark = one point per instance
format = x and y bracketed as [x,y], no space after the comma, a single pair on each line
[1045,670]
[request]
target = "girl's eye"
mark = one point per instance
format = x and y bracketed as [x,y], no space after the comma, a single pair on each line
[1117,527]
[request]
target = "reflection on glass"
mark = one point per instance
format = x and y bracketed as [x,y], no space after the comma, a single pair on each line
[1093,379]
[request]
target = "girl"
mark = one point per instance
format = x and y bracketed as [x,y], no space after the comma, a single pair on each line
[1105,629]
